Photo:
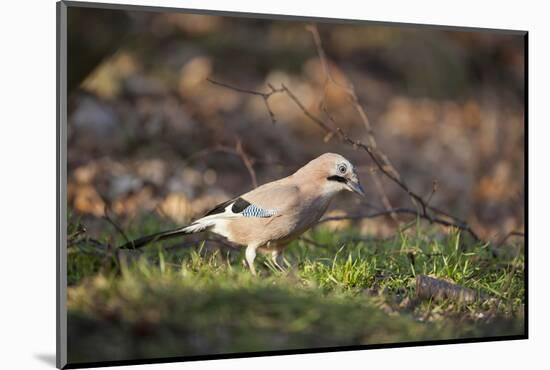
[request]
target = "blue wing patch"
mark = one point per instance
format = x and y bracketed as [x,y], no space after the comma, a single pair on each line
[253,211]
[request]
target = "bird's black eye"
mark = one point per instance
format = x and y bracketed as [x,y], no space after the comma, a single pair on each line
[342,168]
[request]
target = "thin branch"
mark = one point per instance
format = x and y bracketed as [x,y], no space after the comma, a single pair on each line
[509,235]
[435,186]
[385,200]
[445,214]
[212,240]
[313,242]
[264,96]
[378,158]
[87,240]
[247,162]
[237,151]
[114,224]
[388,212]
[350,91]
[377,181]
[430,219]
[239,89]
[308,114]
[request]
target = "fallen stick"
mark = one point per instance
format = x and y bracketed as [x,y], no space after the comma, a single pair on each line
[432,288]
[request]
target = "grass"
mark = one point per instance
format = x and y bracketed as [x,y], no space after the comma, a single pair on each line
[340,289]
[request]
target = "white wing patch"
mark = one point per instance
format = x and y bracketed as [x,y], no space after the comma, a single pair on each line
[218,220]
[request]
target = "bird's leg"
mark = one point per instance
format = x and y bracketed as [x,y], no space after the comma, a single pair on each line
[250,256]
[276,256]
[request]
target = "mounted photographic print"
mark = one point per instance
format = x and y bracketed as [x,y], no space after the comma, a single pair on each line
[234,185]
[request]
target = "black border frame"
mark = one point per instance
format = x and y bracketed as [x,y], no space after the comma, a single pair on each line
[61,195]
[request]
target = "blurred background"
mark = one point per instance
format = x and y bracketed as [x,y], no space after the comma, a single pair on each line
[149,135]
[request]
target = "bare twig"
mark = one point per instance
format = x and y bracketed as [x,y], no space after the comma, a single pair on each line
[312,242]
[218,241]
[435,186]
[114,224]
[388,212]
[350,91]
[87,240]
[385,200]
[510,234]
[377,181]
[237,151]
[264,96]
[247,162]
[446,214]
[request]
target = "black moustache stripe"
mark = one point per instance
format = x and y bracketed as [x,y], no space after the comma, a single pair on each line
[337,178]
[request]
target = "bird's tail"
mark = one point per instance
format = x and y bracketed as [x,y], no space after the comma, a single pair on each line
[195,227]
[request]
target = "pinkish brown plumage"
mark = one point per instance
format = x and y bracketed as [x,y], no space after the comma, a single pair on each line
[272,215]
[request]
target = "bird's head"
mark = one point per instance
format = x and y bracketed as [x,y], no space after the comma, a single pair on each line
[335,173]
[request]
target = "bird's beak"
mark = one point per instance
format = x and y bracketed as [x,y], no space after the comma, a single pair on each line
[355,186]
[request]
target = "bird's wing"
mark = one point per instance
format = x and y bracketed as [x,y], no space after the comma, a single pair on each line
[233,208]
[269,200]
[265,201]
[280,196]
[238,207]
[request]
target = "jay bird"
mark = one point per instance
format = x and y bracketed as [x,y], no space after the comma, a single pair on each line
[273,214]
